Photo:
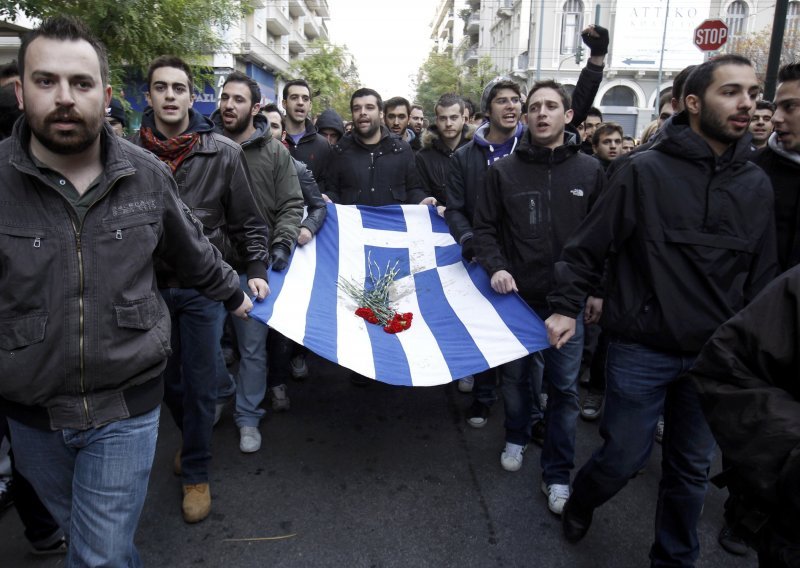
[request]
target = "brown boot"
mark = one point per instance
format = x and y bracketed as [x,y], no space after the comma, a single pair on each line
[196,502]
[176,464]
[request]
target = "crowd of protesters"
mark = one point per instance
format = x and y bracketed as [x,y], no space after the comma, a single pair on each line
[655,267]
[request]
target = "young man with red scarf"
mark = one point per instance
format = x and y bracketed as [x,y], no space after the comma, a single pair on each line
[213,182]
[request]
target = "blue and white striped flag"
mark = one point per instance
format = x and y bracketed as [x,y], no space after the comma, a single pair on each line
[460,326]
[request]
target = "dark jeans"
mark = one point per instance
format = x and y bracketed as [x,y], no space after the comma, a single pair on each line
[643,383]
[190,379]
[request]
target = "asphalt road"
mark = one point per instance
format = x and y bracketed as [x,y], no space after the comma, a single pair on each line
[382,477]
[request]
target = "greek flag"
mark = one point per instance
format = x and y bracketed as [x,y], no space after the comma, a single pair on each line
[460,325]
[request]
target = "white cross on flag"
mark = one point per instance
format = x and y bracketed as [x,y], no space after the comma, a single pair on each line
[460,325]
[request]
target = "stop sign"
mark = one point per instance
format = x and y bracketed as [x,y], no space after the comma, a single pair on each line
[711,35]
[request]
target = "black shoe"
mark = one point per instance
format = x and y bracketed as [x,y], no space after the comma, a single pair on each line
[732,542]
[477,414]
[54,544]
[575,522]
[537,433]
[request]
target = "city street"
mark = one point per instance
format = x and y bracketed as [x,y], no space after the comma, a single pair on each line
[381,477]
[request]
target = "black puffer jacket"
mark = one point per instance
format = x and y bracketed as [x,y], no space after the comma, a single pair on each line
[693,237]
[386,175]
[315,205]
[433,160]
[84,332]
[534,199]
[314,151]
[214,182]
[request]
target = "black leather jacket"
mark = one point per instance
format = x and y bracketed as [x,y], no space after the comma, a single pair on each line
[84,332]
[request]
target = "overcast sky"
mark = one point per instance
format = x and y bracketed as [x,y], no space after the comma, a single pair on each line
[389,39]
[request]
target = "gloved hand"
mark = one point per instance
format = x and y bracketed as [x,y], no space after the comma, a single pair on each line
[279,256]
[467,250]
[597,45]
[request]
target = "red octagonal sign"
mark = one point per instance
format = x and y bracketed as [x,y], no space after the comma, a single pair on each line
[711,35]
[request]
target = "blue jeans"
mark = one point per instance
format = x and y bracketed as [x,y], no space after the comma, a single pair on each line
[561,370]
[251,382]
[190,379]
[643,383]
[93,482]
[520,385]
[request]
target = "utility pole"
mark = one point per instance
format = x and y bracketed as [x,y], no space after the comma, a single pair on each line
[775,48]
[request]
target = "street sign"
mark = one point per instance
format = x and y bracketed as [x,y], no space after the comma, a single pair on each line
[711,35]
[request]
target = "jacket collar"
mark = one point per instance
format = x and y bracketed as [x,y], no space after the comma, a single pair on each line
[262,135]
[530,152]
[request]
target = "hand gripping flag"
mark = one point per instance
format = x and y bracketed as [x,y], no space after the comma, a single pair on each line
[460,325]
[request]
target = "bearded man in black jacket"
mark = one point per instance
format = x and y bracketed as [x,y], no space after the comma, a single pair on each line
[691,226]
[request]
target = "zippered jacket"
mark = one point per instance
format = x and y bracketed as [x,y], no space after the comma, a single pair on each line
[693,237]
[385,175]
[433,160]
[84,331]
[314,151]
[534,200]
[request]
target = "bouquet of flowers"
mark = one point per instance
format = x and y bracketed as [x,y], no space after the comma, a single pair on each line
[373,299]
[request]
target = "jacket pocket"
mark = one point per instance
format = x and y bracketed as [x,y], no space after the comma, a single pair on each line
[22,331]
[526,214]
[138,314]
[398,191]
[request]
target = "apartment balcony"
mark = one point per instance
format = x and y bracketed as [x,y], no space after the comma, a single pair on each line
[473,25]
[470,56]
[474,4]
[297,8]
[505,9]
[311,27]
[278,23]
[321,7]
[323,29]
[297,42]
[256,51]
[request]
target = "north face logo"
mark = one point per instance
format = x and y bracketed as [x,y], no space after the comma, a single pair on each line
[577,192]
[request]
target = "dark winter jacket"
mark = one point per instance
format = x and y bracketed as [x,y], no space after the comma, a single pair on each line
[274,182]
[783,169]
[748,377]
[534,200]
[433,160]
[314,151]
[693,237]
[214,182]
[315,205]
[84,332]
[386,175]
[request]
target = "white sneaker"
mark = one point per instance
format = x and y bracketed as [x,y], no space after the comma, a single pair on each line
[299,367]
[511,458]
[557,496]
[466,384]
[280,401]
[249,439]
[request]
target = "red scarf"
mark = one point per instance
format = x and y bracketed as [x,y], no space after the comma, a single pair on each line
[173,151]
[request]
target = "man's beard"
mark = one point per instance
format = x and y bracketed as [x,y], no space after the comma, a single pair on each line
[242,123]
[714,127]
[370,132]
[87,129]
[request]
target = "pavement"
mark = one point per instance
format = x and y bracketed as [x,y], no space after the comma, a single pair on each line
[382,476]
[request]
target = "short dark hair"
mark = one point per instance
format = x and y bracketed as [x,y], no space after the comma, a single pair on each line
[169,61]
[765,105]
[703,75]
[603,129]
[629,139]
[415,106]
[366,92]
[665,99]
[469,105]
[448,100]
[64,28]
[10,69]
[396,102]
[557,87]
[594,111]
[790,72]
[679,82]
[272,107]
[9,110]
[239,77]
[295,83]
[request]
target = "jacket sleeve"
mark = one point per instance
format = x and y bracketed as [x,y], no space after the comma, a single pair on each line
[585,91]
[424,173]
[765,262]
[486,224]
[324,161]
[315,205]
[184,246]
[456,213]
[609,223]
[415,192]
[288,199]
[332,182]
[748,379]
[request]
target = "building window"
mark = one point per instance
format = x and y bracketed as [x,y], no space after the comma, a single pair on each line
[619,96]
[571,26]
[736,16]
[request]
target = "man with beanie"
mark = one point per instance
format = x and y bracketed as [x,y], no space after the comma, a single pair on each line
[115,115]
[501,101]
[213,182]
[330,125]
[277,195]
